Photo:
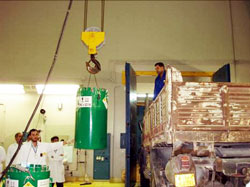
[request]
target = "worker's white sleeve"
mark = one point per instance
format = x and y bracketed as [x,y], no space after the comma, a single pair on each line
[53,146]
[2,155]
[65,157]
[8,156]
[60,156]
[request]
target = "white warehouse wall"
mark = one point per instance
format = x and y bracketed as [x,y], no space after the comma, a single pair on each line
[182,32]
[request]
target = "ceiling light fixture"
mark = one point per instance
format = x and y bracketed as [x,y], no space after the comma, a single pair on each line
[11,89]
[58,89]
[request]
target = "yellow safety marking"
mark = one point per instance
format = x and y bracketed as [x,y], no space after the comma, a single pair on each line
[28,184]
[183,73]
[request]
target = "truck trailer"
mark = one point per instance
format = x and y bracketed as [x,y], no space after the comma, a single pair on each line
[197,134]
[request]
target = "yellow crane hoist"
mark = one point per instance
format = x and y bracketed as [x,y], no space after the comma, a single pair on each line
[94,39]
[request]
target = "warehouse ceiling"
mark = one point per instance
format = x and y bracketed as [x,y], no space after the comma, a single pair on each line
[182,33]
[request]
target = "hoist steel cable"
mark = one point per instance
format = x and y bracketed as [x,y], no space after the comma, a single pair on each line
[95,81]
[85,15]
[41,95]
[103,14]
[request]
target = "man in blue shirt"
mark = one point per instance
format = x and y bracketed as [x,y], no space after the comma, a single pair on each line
[160,79]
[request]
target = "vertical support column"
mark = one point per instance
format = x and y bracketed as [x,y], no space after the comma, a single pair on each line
[131,122]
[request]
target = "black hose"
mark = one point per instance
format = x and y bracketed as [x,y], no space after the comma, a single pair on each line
[41,95]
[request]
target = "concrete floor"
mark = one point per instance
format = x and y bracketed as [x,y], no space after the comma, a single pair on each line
[95,184]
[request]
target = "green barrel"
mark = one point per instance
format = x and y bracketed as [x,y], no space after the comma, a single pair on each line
[16,176]
[91,118]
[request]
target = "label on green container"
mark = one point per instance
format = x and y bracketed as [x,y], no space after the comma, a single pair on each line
[84,102]
[43,183]
[11,183]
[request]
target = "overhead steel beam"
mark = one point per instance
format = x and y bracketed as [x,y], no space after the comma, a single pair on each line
[183,73]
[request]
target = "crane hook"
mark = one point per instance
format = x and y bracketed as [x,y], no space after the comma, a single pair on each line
[97,65]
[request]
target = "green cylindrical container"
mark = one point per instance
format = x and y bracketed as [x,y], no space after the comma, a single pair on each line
[18,177]
[91,118]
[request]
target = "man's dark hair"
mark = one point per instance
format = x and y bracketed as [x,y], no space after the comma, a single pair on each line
[54,137]
[16,135]
[159,64]
[32,130]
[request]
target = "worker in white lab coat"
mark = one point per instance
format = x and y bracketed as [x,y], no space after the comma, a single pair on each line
[56,159]
[35,152]
[2,159]
[12,149]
